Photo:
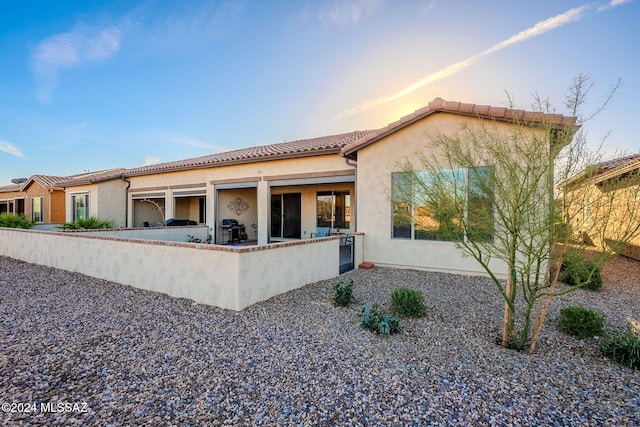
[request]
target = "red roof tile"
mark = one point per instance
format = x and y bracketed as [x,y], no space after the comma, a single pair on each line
[616,163]
[10,188]
[284,150]
[481,111]
[92,177]
[47,181]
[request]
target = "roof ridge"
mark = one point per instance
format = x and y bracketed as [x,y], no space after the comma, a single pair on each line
[482,111]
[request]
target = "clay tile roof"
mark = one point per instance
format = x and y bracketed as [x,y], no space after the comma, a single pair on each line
[616,163]
[10,188]
[47,181]
[606,170]
[482,111]
[290,149]
[92,177]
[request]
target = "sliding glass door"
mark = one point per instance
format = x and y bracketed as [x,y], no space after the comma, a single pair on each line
[286,216]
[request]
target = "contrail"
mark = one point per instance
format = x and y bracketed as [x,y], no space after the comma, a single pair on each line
[538,29]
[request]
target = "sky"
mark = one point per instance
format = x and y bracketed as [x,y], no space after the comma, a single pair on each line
[95,84]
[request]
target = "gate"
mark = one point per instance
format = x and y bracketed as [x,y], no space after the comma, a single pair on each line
[346,254]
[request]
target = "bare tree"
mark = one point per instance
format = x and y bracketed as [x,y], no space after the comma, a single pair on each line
[493,190]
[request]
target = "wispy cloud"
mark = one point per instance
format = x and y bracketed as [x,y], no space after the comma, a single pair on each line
[161,30]
[84,44]
[9,148]
[186,140]
[428,6]
[151,160]
[345,13]
[534,31]
[613,3]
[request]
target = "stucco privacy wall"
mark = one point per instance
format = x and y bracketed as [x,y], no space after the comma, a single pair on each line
[222,276]
[376,163]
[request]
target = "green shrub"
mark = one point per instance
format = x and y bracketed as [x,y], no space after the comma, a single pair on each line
[622,346]
[407,302]
[576,271]
[581,322]
[15,221]
[91,223]
[343,292]
[376,321]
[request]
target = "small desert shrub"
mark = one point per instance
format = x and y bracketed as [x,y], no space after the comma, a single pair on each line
[376,321]
[343,292]
[622,346]
[91,223]
[407,302]
[15,221]
[581,322]
[576,271]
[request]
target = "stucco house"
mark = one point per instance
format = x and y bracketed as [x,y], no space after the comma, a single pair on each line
[99,194]
[606,193]
[278,192]
[337,184]
[379,157]
[39,198]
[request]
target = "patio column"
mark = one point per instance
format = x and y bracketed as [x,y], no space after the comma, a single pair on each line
[169,205]
[263,212]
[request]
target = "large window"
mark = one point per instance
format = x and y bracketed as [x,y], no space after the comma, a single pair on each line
[333,209]
[441,206]
[36,209]
[80,204]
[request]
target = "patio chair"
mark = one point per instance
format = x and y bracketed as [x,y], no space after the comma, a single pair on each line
[321,232]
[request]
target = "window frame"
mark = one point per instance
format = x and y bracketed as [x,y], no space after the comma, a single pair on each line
[74,206]
[408,199]
[39,211]
[345,208]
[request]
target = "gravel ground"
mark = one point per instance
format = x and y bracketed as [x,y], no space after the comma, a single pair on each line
[81,351]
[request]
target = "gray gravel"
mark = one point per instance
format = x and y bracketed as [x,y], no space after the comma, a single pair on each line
[135,357]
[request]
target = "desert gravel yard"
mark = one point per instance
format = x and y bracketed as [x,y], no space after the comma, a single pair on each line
[75,350]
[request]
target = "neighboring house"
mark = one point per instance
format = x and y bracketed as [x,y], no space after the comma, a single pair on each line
[300,189]
[392,233]
[99,194]
[40,198]
[606,193]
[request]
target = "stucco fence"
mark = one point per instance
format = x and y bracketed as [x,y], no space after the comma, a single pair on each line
[230,277]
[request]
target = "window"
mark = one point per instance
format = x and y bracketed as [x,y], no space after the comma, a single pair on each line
[19,206]
[80,206]
[333,209]
[438,206]
[36,209]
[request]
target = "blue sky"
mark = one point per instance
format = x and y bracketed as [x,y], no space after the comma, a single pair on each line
[91,85]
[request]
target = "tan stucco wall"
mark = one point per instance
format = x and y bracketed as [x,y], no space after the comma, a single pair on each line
[226,277]
[613,213]
[269,171]
[111,201]
[376,162]
[107,200]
